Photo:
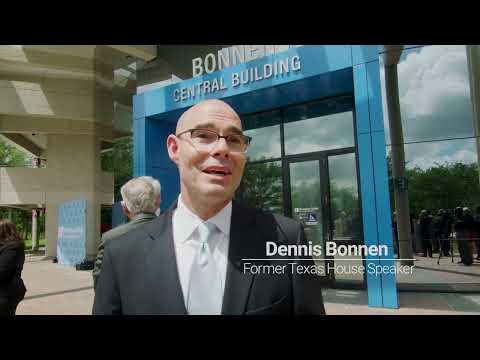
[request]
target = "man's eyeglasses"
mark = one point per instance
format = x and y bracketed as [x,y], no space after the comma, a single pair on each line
[204,139]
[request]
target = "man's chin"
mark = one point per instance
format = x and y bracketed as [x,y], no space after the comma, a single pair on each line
[217,191]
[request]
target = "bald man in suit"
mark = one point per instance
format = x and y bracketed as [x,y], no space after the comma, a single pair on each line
[198,256]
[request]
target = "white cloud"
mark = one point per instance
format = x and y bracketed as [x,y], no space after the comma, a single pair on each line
[432,78]
[426,155]
[321,133]
[435,104]
[434,93]
[265,142]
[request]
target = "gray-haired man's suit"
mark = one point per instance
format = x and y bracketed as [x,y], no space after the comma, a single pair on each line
[136,221]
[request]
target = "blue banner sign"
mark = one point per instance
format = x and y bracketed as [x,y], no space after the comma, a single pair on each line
[72,235]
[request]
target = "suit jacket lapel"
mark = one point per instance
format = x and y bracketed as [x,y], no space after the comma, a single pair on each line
[244,244]
[162,260]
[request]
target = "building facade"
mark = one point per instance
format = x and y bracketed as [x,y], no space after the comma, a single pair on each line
[315,115]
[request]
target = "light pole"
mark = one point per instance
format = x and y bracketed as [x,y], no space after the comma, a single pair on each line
[34,229]
[473,61]
[400,184]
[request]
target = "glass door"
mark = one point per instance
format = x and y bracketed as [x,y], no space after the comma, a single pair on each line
[322,194]
[307,193]
[345,225]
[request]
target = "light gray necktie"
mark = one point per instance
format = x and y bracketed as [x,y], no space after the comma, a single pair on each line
[205,290]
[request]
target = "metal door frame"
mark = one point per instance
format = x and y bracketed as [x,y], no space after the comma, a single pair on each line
[327,229]
[322,162]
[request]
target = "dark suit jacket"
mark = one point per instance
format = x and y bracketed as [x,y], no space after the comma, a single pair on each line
[12,288]
[140,275]
[114,233]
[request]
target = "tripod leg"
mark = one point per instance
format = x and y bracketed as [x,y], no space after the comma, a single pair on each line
[440,250]
[451,247]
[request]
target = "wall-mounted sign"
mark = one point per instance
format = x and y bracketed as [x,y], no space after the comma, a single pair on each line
[232,56]
[307,216]
[303,210]
[268,70]
[401,183]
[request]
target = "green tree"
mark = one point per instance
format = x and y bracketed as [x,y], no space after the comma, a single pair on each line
[11,156]
[119,160]
[443,186]
[261,186]
[343,199]
[306,195]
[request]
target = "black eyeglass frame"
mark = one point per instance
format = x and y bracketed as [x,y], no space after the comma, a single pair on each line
[246,137]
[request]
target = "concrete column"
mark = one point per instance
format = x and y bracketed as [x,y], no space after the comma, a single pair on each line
[473,60]
[34,230]
[51,229]
[402,207]
[77,158]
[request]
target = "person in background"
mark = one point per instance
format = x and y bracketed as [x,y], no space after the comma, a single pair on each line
[413,221]
[157,190]
[140,204]
[426,231]
[444,232]
[395,234]
[471,229]
[12,259]
[450,223]
[477,232]
[462,228]
[436,219]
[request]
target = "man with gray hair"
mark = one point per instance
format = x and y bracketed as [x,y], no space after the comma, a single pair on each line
[157,189]
[141,201]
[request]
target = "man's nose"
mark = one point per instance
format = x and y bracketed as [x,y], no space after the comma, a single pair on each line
[221,148]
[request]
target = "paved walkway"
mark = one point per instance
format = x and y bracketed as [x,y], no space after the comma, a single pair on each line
[54,289]
[431,274]
[351,302]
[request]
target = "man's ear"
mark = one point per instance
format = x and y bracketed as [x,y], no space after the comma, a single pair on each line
[125,210]
[172,147]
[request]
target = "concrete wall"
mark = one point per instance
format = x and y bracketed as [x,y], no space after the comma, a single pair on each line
[17,186]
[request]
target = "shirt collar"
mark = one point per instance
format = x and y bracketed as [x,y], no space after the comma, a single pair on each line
[190,221]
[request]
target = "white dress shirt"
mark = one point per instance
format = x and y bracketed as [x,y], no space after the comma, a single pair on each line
[186,242]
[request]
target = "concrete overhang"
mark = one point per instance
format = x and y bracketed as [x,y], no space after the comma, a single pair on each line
[22,142]
[144,52]
[66,61]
